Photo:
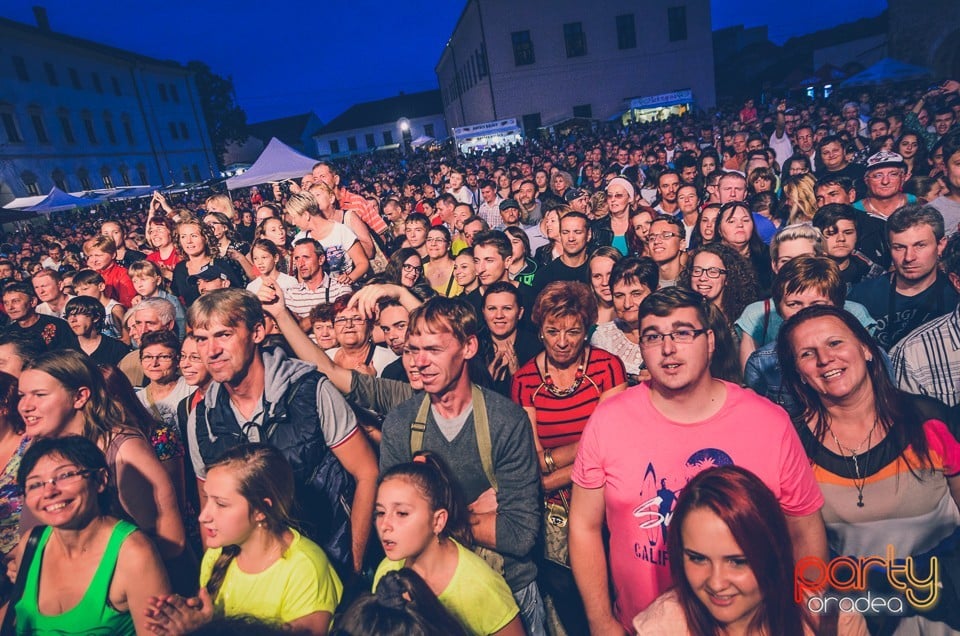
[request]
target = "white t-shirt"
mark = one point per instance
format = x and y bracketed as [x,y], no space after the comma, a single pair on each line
[285,281]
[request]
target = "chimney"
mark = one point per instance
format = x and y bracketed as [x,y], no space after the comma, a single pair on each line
[40,15]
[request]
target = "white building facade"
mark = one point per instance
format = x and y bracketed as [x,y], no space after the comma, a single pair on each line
[547,61]
[383,124]
[80,115]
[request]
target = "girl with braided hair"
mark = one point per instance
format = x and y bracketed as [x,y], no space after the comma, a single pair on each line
[256,562]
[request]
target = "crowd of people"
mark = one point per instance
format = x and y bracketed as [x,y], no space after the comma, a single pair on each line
[626,380]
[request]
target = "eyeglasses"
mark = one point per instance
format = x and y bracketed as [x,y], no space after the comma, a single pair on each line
[348,320]
[681,336]
[879,176]
[194,358]
[163,357]
[412,268]
[711,272]
[661,236]
[63,478]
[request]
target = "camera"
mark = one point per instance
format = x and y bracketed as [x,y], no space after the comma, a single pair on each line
[285,188]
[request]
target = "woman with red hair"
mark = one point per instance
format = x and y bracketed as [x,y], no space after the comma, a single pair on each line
[731,559]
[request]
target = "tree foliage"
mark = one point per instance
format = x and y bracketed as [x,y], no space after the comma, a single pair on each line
[226,121]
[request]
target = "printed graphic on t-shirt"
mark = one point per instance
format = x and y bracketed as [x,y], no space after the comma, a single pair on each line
[658,497]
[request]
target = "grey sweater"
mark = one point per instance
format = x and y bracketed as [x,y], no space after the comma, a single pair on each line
[514,463]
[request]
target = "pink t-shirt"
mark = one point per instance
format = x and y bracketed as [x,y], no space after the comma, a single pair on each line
[643,460]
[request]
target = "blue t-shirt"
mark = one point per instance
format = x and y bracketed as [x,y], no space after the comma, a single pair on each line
[620,242]
[763,326]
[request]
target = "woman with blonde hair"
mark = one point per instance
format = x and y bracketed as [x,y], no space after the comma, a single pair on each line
[799,198]
[199,248]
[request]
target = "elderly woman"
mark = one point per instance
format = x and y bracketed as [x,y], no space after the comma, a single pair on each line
[438,271]
[102,568]
[357,350]
[559,390]
[631,280]
[887,464]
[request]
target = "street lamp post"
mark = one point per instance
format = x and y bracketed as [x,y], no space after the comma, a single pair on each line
[404,131]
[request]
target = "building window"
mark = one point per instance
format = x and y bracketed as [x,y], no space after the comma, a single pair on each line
[107,181]
[116,86]
[522,48]
[369,139]
[196,173]
[39,128]
[575,39]
[387,137]
[352,144]
[67,128]
[531,122]
[677,23]
[88,126]
[59,179]
[186,175]
[163,92]
[51,74]
[30,181]
[124,176]
[128,130]
[174,95]
[11,128]
[20,66]
[97,85]
[428,130]
[75,78]
[626,32]
[111,134]
[84,175]
[584,110]
[334,147]
[184,133]
[173,131]
[482,69]
[142,174]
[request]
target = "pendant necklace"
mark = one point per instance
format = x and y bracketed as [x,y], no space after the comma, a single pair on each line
[854,452]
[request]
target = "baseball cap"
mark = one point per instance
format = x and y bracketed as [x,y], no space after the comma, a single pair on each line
[211,271]
[885,159]
[575,193]
[506,204]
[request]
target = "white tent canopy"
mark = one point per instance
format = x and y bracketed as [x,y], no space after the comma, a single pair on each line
[277,162]
[422,140]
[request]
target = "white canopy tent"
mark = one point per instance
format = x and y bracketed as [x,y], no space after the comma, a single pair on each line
[277,162]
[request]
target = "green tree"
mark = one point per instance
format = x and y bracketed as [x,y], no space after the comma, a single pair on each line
[226,121]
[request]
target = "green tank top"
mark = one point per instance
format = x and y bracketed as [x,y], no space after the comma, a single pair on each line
[93,614]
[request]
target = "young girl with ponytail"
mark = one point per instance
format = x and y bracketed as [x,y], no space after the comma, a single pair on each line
[256,563]
[421,522]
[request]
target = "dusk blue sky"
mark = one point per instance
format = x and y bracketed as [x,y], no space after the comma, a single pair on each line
[292,57]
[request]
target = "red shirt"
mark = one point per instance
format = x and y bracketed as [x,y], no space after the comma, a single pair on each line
[364,209]
[560,420]
[119,285]
[170,262]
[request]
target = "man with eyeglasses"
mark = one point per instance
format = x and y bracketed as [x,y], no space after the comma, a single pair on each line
[627,475]
[315,286]
[884,177]
[666,240]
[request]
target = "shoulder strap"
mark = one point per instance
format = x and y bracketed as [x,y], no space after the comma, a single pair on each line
[482,426]
[29,551]
[766,322]
[480,423]
[419,426]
